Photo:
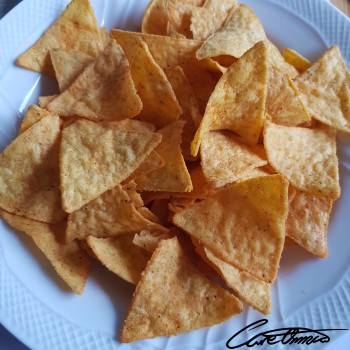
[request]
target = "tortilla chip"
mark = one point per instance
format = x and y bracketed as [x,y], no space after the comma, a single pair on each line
[69,261]
[189,105]
[252,291]
[325,90]
[29,175]
[179,204]
[110,215]
[238,101]
[208,19]
[250,174]
[120,256]
[33,115]
[218,149]
[173,176]
[178,300]
[243,224]
[241,31]
[160,105]
[149,215]
[76,29]
[305,157]
[296,60]
[134,196]
[68,65]
[45,100]
[282,103]
[149,241]
[155,18]
[307,222]
[94,159]
[103,91]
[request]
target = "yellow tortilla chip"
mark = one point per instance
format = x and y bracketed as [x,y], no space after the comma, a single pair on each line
[305,157]
[68,65]
[76,29]
[282,103]
[120,256]
[173,297]
[33,115]
[45,100]
[103,91]
[160,105]
[149,241]
[325,90]
[307,222]
[218,150]
[243,224]
[155,18]
[238,101]
[94,159]
[69,261]
[29,173]
[208,19]
[110,215]
[173,176]
[241,31]
[296,60]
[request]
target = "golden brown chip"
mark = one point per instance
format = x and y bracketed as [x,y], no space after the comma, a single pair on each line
[121,256]
[243,224]
[45,100]
[238,101]
[208,19]
[111,214]
[149,241]
[173,176]
[296,60]
[103,91]
[29,174]
[306,157]
[173,297]
[325,90]
[307,222]
[33,115]
[68,65]
[160,105]
[76,29]
[282,103]
[94,158]
[224,159]
[69,261]
[134,196]
[178,204]
[155,18]
[241,31]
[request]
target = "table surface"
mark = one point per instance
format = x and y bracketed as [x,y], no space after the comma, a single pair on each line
[7,340]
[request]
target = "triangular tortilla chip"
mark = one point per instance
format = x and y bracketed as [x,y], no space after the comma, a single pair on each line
[160,105]
[173,297]
[243,224]
[173,176]
[110,215]
[325,90]
[94,159]
[218,149]
[238,101]
[121,256]
[33,115]
[208,19]
[241,31]
[282,103]
[149,241]
[29,173]
[155,18]
[296,60]
[307,158]
[307,222]
[103,91]
[68,65]
[69,261]
[45,100]
[76,29]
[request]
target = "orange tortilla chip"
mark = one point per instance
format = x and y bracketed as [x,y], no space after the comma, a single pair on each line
[45,100]
[155,18]
[94,159]
[173,297]
[149,241]
[33,115]
[120,256]
[69,261]
[76,29]
[29,173]
[103,91]
[243,224]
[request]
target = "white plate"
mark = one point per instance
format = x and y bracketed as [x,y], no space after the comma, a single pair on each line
[35,305]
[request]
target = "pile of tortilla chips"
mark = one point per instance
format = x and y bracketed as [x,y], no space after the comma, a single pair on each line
[180,158]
